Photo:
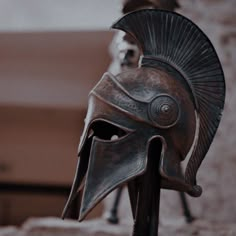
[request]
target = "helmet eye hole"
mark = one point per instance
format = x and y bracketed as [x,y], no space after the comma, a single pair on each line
[107,131]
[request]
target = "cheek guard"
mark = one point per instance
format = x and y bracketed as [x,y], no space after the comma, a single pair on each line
[106,168]
[176,96]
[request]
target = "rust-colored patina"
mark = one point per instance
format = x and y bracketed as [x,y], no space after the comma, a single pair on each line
[143,122]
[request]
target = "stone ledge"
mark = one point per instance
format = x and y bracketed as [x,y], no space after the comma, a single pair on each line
[8,231]
[55,226]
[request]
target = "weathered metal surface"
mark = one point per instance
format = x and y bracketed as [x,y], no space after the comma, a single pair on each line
[142,123]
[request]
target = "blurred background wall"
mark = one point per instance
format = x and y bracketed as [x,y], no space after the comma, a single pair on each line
[51,54]
[217,174]
[58,15]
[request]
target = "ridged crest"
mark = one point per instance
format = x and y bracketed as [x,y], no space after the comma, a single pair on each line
[177,41]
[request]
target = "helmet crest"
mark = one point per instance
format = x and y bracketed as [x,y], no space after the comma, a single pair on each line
[172,42]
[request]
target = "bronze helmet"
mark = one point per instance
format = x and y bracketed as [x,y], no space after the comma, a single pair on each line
[176,95]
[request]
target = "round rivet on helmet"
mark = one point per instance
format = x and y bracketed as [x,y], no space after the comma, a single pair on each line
[164,111]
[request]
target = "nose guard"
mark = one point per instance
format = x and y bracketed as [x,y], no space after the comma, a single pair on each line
[109,168]
[105,167]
